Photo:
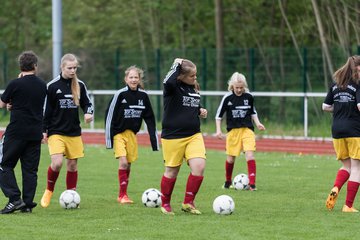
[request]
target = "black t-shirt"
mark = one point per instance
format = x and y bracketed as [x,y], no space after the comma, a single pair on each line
[27,95]
[239,110]
[346,116]
[181,107]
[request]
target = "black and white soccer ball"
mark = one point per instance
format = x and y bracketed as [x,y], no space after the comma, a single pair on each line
[69,199]
[224,205]
[241,182]
[151,198]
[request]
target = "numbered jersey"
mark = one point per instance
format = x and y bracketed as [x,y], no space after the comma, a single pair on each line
[238,109]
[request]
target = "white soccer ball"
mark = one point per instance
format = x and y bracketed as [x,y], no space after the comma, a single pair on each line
[151,198]
[224,205]
[69,199]
[241,182]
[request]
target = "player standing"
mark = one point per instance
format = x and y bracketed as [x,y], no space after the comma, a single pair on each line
[181,137]
[129,106]
[65,94]
[343,100]
[240,111]
[25,97]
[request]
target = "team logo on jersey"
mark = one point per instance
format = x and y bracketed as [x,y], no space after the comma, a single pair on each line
[141,102]
[58,91]
[229,103]
[246,102]
[124,101]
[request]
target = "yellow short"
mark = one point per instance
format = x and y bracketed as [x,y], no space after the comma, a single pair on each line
[70,147]
[176,150]
[347,148]
[238,140]
[125,145]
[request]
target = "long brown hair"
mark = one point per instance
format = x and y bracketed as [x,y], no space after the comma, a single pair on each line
[75,87]
[347,72]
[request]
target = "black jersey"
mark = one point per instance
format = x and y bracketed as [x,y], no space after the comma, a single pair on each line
[27,96]
[181,107]
[239,110]
[126,111]
[61,114]
[346,116]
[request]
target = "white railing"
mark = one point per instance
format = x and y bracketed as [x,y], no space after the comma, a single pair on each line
[305,97]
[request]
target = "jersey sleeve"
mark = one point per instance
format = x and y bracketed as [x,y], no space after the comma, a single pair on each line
[6,96]
[170,80]
[48,108]
[149,118]
[329,99]
[222,108]
[109,116]
[85,102]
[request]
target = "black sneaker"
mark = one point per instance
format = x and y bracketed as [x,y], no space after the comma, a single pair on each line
[28,208]
[252,187]
[13,206]
[227,185]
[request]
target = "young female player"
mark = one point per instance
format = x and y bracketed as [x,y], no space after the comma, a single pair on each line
[181,137]
[238,105]
[65,94]
[129,106]
[343,100]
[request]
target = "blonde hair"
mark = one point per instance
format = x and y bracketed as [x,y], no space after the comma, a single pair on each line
[347,72]
[75,87]
[187,67]
[139,71]
[237,78]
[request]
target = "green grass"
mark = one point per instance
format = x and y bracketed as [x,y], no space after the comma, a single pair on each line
[289,203]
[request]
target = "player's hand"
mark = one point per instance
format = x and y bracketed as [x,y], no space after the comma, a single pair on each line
[45,138]
[219,135]
[9,106]
[203,113]
[178,60]
[261,127]
[88,117]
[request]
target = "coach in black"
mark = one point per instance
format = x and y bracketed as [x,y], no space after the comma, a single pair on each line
[25,97]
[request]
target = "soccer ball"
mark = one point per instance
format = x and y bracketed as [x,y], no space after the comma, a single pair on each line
[69,199]
[151,198]
[224,205]
[241,182]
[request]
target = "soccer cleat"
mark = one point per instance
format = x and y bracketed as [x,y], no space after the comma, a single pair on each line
[12,207]
[125,200]
[227,185]
[252,187]
[190,208]
[331,199]
[166,209]
[349,209]
[46,198]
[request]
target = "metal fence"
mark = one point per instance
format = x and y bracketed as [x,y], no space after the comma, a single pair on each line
[269,69]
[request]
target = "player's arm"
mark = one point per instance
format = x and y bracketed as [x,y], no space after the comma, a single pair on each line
[2,104]
[329,108]
[86,104]
[218,133]
[149,118]
[257,122]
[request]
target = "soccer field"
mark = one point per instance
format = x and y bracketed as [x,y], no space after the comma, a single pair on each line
[289,203]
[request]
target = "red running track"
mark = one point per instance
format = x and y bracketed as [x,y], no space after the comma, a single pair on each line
[321,147]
